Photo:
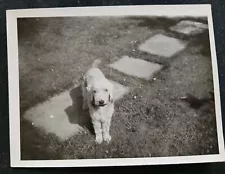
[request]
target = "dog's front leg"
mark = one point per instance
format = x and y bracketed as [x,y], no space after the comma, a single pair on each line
[106,128]
[98,131]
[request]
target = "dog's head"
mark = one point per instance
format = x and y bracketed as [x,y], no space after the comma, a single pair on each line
[101,93]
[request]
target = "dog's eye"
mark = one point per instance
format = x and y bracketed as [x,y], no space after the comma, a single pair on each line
[94,91]
[106,90]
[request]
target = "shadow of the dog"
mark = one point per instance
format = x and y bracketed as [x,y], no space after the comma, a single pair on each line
[75,113]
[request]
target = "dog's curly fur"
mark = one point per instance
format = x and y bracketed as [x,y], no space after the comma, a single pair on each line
[97,93]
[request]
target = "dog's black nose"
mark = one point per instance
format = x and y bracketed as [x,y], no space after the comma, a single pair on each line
[101,102]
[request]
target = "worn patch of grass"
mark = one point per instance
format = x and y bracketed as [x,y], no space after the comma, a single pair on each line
[53,55]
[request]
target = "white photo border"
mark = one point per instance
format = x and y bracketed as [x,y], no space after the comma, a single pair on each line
[151,10]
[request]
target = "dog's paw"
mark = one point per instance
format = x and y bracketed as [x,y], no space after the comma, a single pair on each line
[107,138]
[98,139]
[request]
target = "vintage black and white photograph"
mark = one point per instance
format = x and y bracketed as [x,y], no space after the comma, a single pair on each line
[125,86]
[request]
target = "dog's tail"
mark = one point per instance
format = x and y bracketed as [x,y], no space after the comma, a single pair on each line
[96,63]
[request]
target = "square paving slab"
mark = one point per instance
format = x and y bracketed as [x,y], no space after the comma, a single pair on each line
[136,67]
[63,114]
[189,27]
[162,45]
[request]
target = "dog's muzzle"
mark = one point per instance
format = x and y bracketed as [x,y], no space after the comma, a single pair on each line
[101,103]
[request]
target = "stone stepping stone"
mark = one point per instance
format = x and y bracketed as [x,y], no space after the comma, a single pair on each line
[162,45]
[189,27]
[63,116]
[136,67]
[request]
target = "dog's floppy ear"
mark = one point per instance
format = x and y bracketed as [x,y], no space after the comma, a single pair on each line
[110,99]
[88,87]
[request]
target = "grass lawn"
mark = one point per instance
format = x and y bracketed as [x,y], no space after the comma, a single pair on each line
[53,55]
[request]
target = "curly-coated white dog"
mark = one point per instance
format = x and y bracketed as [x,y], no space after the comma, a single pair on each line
[98,98]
